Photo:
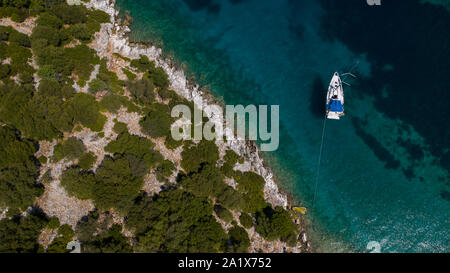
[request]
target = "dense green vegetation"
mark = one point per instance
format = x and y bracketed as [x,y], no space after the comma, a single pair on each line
[175,221]
[164,170]
[86,111]
[196,155]
[120,127]
[251,186]
[71,149]
[53,223]
[87,160]
[142,91]
[246,220]
[59,244]
[116,186]
[157,122]
[137,150]
[208,182]
[78,183]
[239,241]
[18,171]
[231,158]
[112,186]
[276,224]
[108,241]
[223,213]
[181,218]
[19,234]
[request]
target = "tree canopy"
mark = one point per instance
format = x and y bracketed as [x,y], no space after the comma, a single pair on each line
[175,221]
[196,155]
[18,171]
[20,234]
[72,148]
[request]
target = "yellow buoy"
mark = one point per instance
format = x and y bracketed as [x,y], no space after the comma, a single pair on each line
[301,210]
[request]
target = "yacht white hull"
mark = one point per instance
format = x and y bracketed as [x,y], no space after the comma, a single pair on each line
[335,98]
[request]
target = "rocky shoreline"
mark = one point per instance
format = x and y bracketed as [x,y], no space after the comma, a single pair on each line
[113,38]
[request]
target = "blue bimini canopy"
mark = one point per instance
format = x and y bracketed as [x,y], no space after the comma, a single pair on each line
[336,106]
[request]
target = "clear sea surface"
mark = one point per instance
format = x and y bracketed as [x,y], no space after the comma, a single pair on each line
[384,177]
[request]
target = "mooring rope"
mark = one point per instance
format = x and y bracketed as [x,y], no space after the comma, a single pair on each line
[319,160]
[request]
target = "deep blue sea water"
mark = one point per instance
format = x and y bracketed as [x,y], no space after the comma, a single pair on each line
[385,169]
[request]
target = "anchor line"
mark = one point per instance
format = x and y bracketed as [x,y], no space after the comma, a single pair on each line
[319,160]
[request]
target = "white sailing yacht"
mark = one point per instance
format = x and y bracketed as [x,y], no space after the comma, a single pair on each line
[335,98]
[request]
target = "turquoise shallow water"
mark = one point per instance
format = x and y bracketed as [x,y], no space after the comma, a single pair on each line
[385,168]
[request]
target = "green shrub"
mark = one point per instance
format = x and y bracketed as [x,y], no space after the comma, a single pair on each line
[275,224]
[239,241]
[3,50]
[49,87]
[99,16]
[18,16]
[71,149]
[59,244]
[19,38]
[4,32]
[157,122]
[20,234]
[172,143]
[231,158]
[207,182]
[143,64]
[81,32]
[116,186]
[47,72]
[42,160]
[65,36]
[70,14]
[97,85]
[77,183]
[26,77]
[82,59]
[110,78]
[130,75]
[66,231]
[46,178]
[19,58]
[35,116]
[18,187]
[109,241]
[230,198]
[5,70]
[18,171]
[112,102]
[165,169]
[166,94]
[49,20]
[46,117]
[142,91]
[86,110]
[158,76]
[175,221]
[53,223]
[251,186]
[118,55]
[86,227]
[87,160]
[246,220]
[49,34]
[138,151]
[223,213]
[120,127]
[194,156]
